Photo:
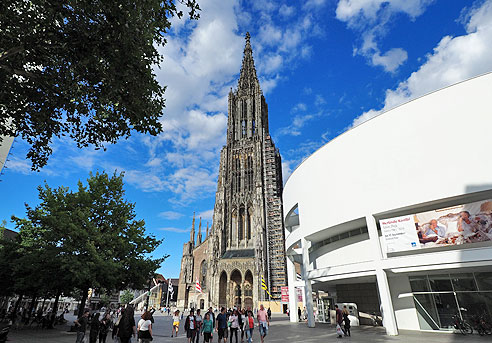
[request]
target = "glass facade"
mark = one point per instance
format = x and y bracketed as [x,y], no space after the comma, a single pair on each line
[439,297]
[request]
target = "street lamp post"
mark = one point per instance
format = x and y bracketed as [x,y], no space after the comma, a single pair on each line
[148,295]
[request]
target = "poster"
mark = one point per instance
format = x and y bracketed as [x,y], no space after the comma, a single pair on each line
[399,233]
[462,224]
[285,294]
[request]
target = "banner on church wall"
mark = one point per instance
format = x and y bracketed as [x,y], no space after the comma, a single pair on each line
[461,224]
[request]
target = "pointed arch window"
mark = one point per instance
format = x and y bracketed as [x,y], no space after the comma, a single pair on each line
[240,229]
[243,118]
[236,173]
[249,173]
[248,224]
[253,123]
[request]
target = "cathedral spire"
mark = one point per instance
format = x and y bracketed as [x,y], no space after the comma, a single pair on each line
[248,77]
[199,239]
[192,233]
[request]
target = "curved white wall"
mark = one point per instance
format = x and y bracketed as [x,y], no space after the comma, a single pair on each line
[434,147]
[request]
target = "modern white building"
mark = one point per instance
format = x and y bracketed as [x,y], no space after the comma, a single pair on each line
[395,215]
[5,145]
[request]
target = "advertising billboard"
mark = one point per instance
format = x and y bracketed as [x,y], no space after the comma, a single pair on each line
[462,224]
[285,294]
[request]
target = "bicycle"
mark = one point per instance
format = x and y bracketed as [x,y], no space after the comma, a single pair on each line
[376,320]
[462,325]
[482,326]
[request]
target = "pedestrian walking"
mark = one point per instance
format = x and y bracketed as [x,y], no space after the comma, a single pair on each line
[339,320]
[346,323]
[199,323]
[242,319]
[190,326]
[175,328]
[81,324]
[104,327]
[144,328]
[94,332]
[263,322]
[221,325]
[269,312]
[299,313]
[233,324]
[249,325]
[126,327]
[207,328]
[212,315]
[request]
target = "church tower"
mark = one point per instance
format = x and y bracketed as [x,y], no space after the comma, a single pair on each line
[246,241]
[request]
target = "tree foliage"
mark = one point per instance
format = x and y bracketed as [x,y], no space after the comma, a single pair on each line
[126,296]
[84,239]
[82,68]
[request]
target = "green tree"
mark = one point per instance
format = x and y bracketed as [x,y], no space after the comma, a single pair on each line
[91,237]
[126,296]
[82,69]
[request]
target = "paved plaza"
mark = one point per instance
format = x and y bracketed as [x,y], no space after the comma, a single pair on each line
[281,331]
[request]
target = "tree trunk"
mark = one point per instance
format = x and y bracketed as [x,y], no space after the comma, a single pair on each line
[16,308]
[83,301]
[31,308]
[54,312]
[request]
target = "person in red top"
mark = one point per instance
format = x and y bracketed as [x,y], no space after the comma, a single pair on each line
[339,316]
[249,326]
[190,327]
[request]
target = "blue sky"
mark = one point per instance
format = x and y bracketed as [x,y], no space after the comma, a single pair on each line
[324,66]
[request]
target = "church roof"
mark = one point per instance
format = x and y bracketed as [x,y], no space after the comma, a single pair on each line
[239,253]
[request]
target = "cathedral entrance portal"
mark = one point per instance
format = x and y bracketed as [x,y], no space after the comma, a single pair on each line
[223,290]
[236,280]
[248,290]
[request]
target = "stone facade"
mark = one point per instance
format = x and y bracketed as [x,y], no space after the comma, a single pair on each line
[246,240]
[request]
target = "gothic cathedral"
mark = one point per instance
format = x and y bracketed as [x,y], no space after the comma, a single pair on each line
[246,240]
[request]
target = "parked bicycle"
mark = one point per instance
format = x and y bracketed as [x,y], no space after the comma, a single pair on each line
[482,325]
[376,320]
[462,325]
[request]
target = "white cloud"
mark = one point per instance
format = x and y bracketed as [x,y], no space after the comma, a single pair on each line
[18,165]
[286,11]
[286,169]
[454,59]
[173,229]
[300,107]
[354,10]
[206,215]
[391,59]
[171,215]
[369,18]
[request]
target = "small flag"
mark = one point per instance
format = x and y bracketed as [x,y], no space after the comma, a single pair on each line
[264,286]
[198,287]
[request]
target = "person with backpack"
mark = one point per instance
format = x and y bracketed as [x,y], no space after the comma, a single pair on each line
[346,323]
[190,326]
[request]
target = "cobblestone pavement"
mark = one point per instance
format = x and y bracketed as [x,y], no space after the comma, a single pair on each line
[281,331]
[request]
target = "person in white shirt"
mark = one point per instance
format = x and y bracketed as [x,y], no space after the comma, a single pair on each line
[234,320]
[199,322]
[144,328]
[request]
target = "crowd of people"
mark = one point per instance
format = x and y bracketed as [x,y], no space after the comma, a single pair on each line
[120,322]
[235,324]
